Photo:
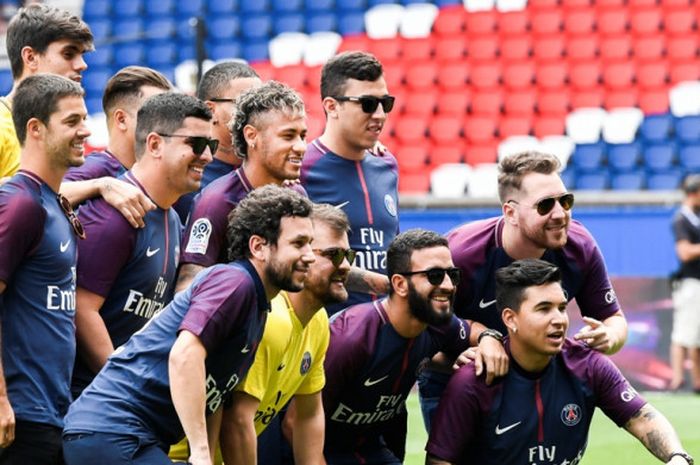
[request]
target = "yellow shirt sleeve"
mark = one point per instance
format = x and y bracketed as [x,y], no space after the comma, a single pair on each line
[9,145]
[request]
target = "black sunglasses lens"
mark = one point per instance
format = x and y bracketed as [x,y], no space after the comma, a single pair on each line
[213,145]
[337,255]
[545,206]
[567,201]
[369,104]
[435,276]
[350,255]
[198,144]
[388,103]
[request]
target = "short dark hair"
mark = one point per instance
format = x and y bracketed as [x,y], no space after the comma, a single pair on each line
[514,167]
[38,26]
[362,66]
[251,104]
[260,213]
[165,113]
[398,255]
[217,78]
[332,216]
[124,88]
[691,184]
[514,279]
[38,97]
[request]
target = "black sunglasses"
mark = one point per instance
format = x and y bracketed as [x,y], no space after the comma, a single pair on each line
[546,205]
[437,275]
[72,217]
[337,254]
[198,143]
[370,102]
[222,99]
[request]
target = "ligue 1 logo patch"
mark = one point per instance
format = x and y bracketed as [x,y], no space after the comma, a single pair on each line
[571,414]
[390,204]
[305,363]
[199,237]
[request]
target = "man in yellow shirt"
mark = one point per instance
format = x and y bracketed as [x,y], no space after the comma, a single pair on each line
[289,361]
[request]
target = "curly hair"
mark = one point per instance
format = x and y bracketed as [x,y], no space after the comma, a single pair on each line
[514,167]
[252,104]
[362,66]
[260,213]
[514,279]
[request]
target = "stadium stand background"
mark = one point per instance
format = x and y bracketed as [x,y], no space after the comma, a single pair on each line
[609,86]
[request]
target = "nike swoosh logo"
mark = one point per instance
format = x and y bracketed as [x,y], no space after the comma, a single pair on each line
[245,349]
[483,304]
[281,367]
[371,382]
[500,430]
[63,246]
[150,253]
[341,205]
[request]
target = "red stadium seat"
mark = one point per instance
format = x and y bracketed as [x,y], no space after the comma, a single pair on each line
[451,153]
[357,42]
[610,3]
[453,76]
[513,23]
[481,23]
[542,4]
[581,48]
[682,48]
[421,103]
[641,4]
[312,101]
[386,50]
[479,130]
[618,75]
[649,48]
[452,48]
[514,126]
[616,48]
[414,183]
[412,157]
[546,21]
[294,76]
[313,77]
[314,126]
[569,4]
[554,102]
[549,126]
[487,75]
[548,47]
[654,101]
[450,21]
[400,94]
[590,97]
[521,103]
[516,47]
[265,70]
[393,75]
[674,3]
[482,48]
[654,74]
[445,130]
[579,21]
[684,72]
[645,21]
[417,49]
[584,74]
[454,103]
[612,21]
[519,75]
[421,75]
[486,152]
[410,130]
[487,102]
[552,75]
[679,20]
[620,98]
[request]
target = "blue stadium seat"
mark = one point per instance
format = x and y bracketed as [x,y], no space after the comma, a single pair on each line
[669,180]
[160,28]
[320,22]
[568,177]
[688,129]
[96,9]
[5,81]
[223,28]
[656,128]
[128,54]
[101,29]
[689,157]
[588,157]
[258,6]
[94,81]
[628,181]
[101,56]
[351,4]
[624,157]
[288,23]
[222,6]
[125,8]
[129,28]
[408,2]
[168,72]
[161,53]
[320,5]
[94,105]
[593,181]
[371,3]
[351,22]
[659,157]
[287,6]
[256,51]
[190,7]
[185,30]
[158,8]
[441,3]
[227,50]
[256,27]
[186,52]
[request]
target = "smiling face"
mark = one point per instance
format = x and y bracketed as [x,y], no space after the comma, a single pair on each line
[428,303]
[66,132]
[183,169]
[279,145]
[288,261]
[325,281]
[358,129]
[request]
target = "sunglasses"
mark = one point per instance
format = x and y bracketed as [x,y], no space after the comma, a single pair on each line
[370,102]
[72,217]
[547,204]
[222,99]
[337,254]
[437,275]
[198,143]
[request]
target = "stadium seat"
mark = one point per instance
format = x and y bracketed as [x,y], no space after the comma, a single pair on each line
[128,53]
[295,22]
[256,27]
[515,144]
[618,75]
[481,23]
[585,124]
[195,7]
[414,183]
[476,155]
[421,76]
[615,48]
[453,76]
[681,71]
[588,157]
[451,49]
[579,21]
[510,5]
[653,101]
[656,128]
[450,21]
[383,21]
[485,76]
[442,154]
[548,48]
[320,47]
[161,54]
[417,20]
[288,48]
[560,146]
[487,102]
[620,125]
[514,126]
[293,75]
[453,103]
[521,103]
[96,9]
[685,99]
[386,50]
[255,51]
[688,129]
[450,180]
[445,130]
[581,48]
[679,20]
[551,75]
[355,42]
[216,7]
[100,57]
[286,6]
[483,182]
[689,157]
[554,102]
[568,177]
[645,21]
[654,74]
[612,21]
[419,49]
[585,74]
[394,75]
[412,157]
[351,22]
[158,8]
[479,5]
[628,181]
[517,76]
[165,28]
[659,157]
[252,8]
[128,28]
[621,98]
[320,22]
[101,28]
[513,23]
[624,157]
[587,98]
[482,48]
[126,8]
[682,48]
[421,103]
[670,180]
[546,21]
[479,130]
[94,81]
[350,4]
[225,51]
[650,48]
[592,181]
[410,130]
[548,126]
[516,48]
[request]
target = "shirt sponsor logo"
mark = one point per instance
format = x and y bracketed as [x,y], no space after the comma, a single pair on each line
[305,363]
[199,237]
[216,394]
[371,382]
[571,414]
[500,430]
[64,246]
[373,257]
[628,394]
[387,408]
[145,307]
[610,296]
[150,253]
[390,205]
[483,304]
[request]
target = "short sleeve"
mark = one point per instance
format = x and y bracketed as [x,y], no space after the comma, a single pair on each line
[597,297]
[21,228]
[204,237]
[456,337]
[615,396]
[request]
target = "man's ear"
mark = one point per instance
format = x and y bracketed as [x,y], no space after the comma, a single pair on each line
[400,284]
[330,106]
[121,119]
[510,213]
[258,248]
[510,318]
[30,59]
[250,133]
[154,145]
[34,128]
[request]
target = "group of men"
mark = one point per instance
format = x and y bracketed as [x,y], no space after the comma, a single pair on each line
[122,333]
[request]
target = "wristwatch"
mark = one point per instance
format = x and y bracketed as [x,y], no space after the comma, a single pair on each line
[687,457]
[497,335]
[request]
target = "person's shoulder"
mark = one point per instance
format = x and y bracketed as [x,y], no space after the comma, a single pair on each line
[22,194]
[314,152]
[356,321]
[473,230]
[580,244]
[386,159]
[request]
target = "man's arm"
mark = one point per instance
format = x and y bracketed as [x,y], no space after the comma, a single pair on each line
[188,391]
[308,425]
[7,415]
[186,274]
[368,282]
[687,251]
[656,433]
[91,332]
[607,336]
[239,442]
[126,198]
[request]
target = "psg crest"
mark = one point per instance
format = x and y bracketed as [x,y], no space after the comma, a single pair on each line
[305,363]
[571,414]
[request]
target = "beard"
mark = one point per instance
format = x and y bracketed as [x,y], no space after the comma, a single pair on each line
[281,276]
[548,239]
[421,308]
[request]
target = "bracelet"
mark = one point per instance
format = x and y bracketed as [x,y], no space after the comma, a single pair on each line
[497,335]
[687,457]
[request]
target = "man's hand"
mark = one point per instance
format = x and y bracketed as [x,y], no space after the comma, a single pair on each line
[489,355]
[7,422]
[4,180]
[203,460]
[128,199]
[598,336]
[379,149]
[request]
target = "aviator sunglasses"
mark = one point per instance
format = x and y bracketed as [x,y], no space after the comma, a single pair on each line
[437,275]
[370,103]
[72,217]
[337,254]
[198,143]
[546,205]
